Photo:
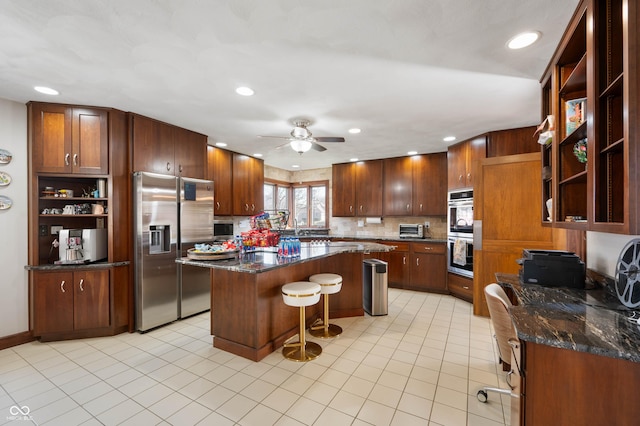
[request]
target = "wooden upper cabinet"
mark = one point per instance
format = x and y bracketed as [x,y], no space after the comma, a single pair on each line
[248,185]
[67,139]
[343,181]
[369,187]
[461,158]
[415,186]
[163,148]
[429,184]
[398,186]
[220,166]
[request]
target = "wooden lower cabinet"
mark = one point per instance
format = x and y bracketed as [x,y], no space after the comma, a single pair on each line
[417,266]
[70,304]
[460,286]
[567,387]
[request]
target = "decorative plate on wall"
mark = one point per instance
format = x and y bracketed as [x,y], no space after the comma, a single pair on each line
[5,156]
[5,202]
[5,179]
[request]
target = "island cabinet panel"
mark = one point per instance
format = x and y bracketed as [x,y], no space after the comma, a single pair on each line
[68,139]
[220,166]
[249,317]
[248,185]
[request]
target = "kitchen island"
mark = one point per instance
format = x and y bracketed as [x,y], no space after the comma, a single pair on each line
[248,315]
[579,357]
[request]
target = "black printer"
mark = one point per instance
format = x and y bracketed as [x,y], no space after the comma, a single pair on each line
[552,268]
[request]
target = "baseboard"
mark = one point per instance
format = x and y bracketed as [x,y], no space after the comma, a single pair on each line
[16,339]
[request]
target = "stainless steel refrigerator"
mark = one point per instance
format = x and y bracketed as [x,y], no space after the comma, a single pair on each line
[171,215]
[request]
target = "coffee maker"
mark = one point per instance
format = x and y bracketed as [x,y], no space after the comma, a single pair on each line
[82,245]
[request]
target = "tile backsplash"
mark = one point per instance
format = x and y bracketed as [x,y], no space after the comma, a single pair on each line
[388,228]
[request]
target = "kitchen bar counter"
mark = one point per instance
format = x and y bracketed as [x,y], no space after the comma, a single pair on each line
[248,315]
[587,320]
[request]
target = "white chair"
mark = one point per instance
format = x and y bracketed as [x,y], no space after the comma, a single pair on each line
[301,294]
[499,305]
[329,284]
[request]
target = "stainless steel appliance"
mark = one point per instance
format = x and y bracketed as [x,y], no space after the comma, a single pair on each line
[411,230]
[82,245]
[171,215]
[223,230]
[460,232]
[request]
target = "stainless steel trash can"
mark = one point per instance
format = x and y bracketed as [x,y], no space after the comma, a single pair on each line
[375,287]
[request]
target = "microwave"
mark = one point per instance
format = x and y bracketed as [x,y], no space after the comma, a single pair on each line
[223,230]
[409,230]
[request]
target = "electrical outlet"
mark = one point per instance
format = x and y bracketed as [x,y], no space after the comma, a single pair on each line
[427,224]
[43,230]
[55,229]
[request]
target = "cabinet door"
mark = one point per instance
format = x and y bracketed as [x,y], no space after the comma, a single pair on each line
[343,183]
[369,188]
[398,269]
[190,153]
[397,186]
[52,302]
[50,138]
[429,185]
[248,185]
[90,141]
[476,151]
[91,302]
[153,147]
[428,267]
[220,165]
[457,165]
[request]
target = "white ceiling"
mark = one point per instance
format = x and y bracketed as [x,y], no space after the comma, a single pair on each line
[407,72]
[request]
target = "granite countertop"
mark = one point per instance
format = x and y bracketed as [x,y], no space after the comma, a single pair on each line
[367,238]
[267,259]
[71,266]
[587,320]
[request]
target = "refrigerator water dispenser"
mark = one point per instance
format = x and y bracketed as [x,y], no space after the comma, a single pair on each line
[159,239]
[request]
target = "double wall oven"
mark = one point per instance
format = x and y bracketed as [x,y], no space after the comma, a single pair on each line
[460,232]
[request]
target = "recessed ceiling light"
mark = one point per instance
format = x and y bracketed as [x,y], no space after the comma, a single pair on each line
[449,139]
[353,160]
[412,152]
[244,91]
[295,166]
[46,90]
[257,154]
[354,131]
[221,144]
[523,40]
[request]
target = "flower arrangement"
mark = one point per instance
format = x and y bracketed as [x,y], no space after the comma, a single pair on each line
[580,150]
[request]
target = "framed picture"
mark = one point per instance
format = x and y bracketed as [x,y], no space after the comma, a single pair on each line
[575,112]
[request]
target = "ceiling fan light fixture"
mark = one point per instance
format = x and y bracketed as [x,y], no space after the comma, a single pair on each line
[300,132]
[301,146]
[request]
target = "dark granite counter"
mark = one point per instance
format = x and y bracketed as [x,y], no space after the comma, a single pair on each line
[267,259]
[587,320]
[71,266]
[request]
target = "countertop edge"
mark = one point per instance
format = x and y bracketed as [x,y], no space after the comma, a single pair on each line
[99,265]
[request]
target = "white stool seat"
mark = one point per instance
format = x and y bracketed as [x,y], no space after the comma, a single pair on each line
[301,293]
[329,283]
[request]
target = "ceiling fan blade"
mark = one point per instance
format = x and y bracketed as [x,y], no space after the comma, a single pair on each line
[330,139]
[283,145]
[275,137]
[318,147]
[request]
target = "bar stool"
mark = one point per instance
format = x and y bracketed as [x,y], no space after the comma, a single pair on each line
[301,294]
[329,284]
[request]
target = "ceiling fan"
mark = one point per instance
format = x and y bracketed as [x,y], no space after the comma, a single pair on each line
[301,139]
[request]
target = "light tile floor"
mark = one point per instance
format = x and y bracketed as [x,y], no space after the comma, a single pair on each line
[421,364]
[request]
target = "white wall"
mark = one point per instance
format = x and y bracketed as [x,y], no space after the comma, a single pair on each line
[14,310]
[603,251]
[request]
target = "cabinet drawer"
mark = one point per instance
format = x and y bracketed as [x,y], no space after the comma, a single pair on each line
[461,287]
[435,248]
[400,245]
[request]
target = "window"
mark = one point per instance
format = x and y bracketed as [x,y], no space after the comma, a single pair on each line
[306,201]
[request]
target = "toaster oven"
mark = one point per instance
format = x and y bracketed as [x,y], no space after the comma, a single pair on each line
[411,230]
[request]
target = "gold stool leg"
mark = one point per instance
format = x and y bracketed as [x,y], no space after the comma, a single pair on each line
[301,351]
[325,330]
